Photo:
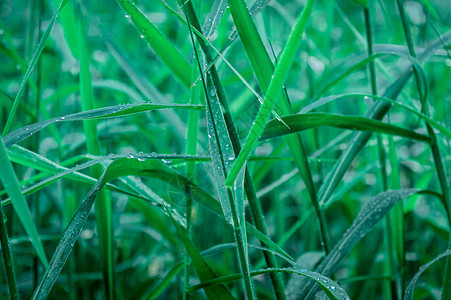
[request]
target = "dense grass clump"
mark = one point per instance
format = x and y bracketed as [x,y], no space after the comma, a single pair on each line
[225,149]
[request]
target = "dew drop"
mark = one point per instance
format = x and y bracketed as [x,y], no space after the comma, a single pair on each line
[141,36]
[127,16]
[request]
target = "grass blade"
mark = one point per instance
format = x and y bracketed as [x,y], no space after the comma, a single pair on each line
[411,287]
[164,49]
[12,187]
[6,253]
[368,217]
[263,67]
[421,115]
[222,156]
[93,114]
[312,120]
[117,168]
[272,93]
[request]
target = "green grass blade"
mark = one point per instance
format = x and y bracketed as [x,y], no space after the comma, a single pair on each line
[7,257]
[103,203]
[223,155]
[312,120]
[11,185]
[32,64]
[164,49]
[272,86]
[367,219]
[160,288]
[214,17]
[272,93]
[440,127]
[93,114]
[66,244]
[411,287]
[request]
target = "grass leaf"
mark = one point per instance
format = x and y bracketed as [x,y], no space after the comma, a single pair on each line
[94,114]
[411,287]
[12,187]
[312,120]
[366,220]
[165,50]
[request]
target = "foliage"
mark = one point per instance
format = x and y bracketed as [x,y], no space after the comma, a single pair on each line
[216,149]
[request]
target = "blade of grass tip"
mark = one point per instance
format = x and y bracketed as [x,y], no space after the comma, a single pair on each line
[159,43]
[103,203]
[312,120]
[12,187]
[369,216]
[411,287]
[32,64]
[21,134]
[436,152]
[222,155]
[7,257]
[428,119]
[378,111]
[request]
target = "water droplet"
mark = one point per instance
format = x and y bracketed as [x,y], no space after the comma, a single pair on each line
[141,36]
[63,118]
[127,16]
[141,159]
[210,20]
[332,287]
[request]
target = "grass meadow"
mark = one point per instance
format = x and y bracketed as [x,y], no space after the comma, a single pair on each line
[225,149]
